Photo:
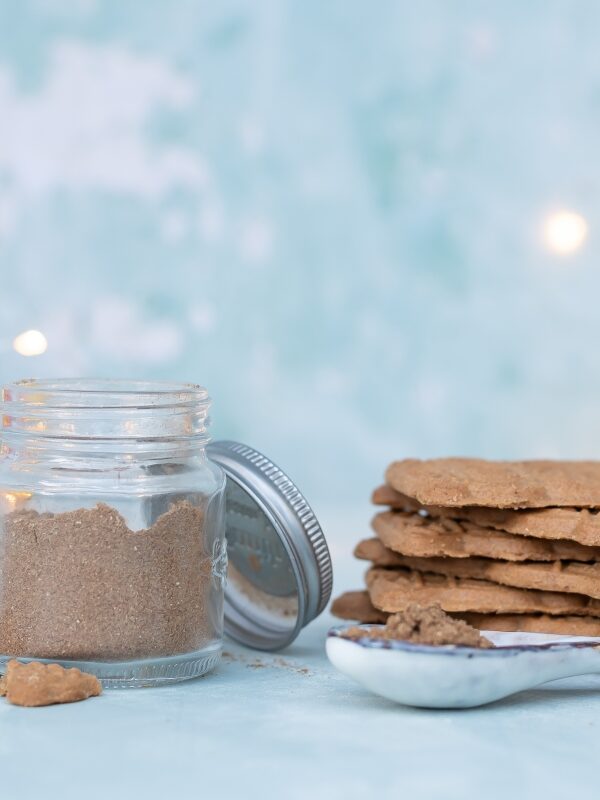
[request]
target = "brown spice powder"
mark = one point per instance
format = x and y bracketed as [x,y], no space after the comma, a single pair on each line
[83,585]
[423,625]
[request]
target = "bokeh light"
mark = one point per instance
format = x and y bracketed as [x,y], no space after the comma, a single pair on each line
[30,343]
[564,231]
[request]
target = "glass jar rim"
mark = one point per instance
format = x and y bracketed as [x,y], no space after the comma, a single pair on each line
[103,393]
[98,409]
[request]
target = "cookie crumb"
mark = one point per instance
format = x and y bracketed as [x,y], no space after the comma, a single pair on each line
[256,664]
[36,684]
[423,625]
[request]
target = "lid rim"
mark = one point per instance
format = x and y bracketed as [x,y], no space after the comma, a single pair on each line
[278,495]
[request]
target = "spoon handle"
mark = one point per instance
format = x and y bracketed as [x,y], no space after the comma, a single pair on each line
[565,663]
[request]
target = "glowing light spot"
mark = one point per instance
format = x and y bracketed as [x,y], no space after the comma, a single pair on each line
[30,343]
[564,231]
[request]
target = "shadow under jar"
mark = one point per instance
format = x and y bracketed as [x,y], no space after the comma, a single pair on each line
[112,541]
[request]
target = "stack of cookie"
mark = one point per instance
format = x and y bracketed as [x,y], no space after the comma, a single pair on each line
[502,545]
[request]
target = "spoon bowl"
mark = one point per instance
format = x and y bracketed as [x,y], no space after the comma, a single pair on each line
[455,676]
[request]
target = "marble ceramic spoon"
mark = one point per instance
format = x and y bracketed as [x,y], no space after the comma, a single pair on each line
[461,677]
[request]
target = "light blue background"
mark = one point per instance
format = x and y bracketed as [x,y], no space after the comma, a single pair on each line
[326,212]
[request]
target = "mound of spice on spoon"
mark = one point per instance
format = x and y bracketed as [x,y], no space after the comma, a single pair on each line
[422,625]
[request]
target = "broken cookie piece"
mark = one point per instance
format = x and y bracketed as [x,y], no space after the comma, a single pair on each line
[423,625]
[36,684]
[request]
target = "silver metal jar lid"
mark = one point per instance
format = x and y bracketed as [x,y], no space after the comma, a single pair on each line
[279,576]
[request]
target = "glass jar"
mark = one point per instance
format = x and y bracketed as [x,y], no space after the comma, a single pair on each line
[112,545]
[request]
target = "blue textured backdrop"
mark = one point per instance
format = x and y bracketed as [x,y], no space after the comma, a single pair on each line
[327,212]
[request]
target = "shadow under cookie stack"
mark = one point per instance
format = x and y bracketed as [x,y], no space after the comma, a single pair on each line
[507,546]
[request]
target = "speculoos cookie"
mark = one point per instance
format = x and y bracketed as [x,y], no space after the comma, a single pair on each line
[497,484]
